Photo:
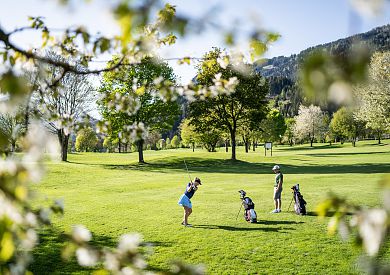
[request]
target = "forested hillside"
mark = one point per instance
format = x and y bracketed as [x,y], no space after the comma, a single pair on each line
[282,71]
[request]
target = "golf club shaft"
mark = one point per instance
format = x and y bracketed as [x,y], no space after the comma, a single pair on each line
[187,170]
[239,210]
[290,204]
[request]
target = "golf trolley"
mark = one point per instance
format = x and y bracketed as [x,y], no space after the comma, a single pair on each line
[299,202]
[249,208]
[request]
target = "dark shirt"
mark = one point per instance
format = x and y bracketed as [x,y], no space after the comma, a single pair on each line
[190,193]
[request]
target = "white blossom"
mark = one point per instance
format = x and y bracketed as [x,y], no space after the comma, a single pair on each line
[86,257]
[111,261]
[81,234]
[127,271]
[31,219]
[129,242]
[139,263]
[372,229]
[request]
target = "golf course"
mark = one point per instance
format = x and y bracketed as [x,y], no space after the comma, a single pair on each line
[111,194]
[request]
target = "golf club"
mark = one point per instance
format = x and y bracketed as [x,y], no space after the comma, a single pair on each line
[187,171]
[239,211]
[290,204]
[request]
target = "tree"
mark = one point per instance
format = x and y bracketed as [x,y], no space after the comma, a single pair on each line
[175,142]
[345,125]
[246,134]
[188,135]
[142,105]
[374,105]
[12,127]
[309,123]
[86,140]
[63,106]
[289,133]
[246,103]
[273,126]
[153,139]
[168,143]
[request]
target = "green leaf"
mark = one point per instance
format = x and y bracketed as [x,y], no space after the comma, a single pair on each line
[85,36]
[258,48]
[7,247]
[272,37]
[229,39]
[140,91]
[185,60]
[167,14]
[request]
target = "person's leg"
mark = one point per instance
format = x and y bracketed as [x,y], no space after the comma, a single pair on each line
[187,212]
[280,203]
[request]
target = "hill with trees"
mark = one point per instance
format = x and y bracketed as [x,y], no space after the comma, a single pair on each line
[377,39]
[282,71]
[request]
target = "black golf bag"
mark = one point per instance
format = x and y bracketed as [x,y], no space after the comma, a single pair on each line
[299,202]
[249,208]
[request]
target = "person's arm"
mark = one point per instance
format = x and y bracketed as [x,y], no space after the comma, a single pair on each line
[190,187]
[280,183]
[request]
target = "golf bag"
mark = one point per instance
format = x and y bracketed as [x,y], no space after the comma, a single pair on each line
[249,208]
[299,202]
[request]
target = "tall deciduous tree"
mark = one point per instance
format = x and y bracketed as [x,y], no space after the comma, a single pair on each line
[345,125]
[227,111]
[309,123]
[273,126]
[137,84]
[374,107]
[61,107]
[188,135]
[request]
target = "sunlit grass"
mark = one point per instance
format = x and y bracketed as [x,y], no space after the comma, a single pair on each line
[111,194]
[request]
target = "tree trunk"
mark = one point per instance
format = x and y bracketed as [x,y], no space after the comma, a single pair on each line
[254,146]
[13,146]
[193,147]
[64,142]
[140,145]
[311,142]
[233,138]
[226,145]
[246,147]
[119,147]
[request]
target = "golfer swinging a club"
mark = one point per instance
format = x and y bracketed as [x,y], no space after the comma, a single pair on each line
[185,199]
[278,188]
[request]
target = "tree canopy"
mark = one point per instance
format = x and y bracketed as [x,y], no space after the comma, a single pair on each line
[140,105]
[246,103]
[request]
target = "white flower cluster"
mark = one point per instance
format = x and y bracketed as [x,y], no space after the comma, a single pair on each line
[125,259]
[124,102]
[134,132]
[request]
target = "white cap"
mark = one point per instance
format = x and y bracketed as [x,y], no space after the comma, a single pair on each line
[276,167]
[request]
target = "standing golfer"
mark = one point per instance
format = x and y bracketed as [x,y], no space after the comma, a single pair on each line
[278,188]
[185,199]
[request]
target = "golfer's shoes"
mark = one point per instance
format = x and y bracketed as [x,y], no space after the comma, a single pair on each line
[186,225]
[276,211]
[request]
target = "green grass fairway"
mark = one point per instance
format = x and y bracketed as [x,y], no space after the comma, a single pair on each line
[111,194]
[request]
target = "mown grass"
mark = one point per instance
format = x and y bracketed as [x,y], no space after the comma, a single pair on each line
[111,194]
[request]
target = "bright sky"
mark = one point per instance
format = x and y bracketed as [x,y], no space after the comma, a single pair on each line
[302,23]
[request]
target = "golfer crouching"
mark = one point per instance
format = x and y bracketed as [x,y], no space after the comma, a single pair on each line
[185,200]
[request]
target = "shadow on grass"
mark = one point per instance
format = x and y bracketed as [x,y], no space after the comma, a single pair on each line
[328,214]
[204,165]
[345,154]
[47,255]
[251,227]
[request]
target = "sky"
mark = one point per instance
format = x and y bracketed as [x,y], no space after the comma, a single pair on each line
[301,23]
